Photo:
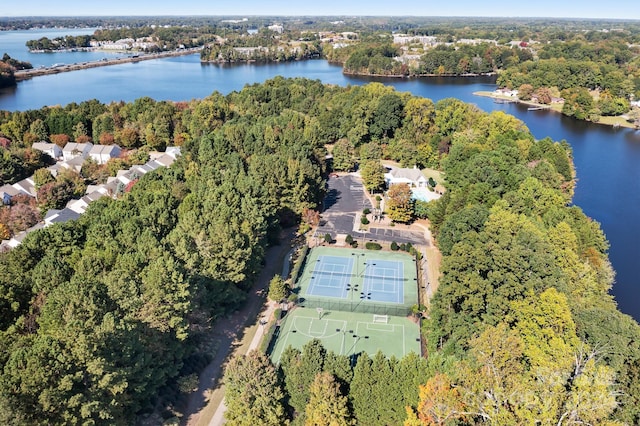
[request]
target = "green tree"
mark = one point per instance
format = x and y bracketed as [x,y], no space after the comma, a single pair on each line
[525,91]
[39,128]
[372,173]
[343,155]
[278,289]
[79,131]
[253,392]
[42,177]
[327,405]
[300,371]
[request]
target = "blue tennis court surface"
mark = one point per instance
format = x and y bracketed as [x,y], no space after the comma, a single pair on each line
[331,276]
[384,281]
[336,277]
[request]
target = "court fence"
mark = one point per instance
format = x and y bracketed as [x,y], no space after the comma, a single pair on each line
[355,306]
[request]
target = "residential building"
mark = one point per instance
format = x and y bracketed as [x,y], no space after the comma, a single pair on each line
[103,153]
[26,186]
[7,192]
[74,150]
[51,149]
[413,177]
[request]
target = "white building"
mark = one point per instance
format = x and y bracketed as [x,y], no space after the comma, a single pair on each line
[413,177]
[103,153]
[51,149]
[73,150]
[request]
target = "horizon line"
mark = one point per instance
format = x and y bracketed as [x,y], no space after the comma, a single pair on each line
[321,16]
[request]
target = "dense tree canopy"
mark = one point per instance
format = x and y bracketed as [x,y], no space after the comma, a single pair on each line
[101,313]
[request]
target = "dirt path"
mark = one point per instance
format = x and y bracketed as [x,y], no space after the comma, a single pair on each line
[229,331]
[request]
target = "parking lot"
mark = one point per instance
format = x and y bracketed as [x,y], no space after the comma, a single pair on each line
[343,206]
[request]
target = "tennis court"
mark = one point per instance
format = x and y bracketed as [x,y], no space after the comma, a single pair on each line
[359,281]
[384,281]
[347,333]
[331,276]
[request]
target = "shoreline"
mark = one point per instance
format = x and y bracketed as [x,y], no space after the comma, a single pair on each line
[409,76]
[37,72]
[619,121]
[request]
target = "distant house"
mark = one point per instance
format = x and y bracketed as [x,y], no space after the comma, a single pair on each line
[173,151]
[74,150]
[74,164]
[413,177]
[103,153]
[60,216]
[26,186]
[51,149]
[54,169]
[165,160]
[7,192]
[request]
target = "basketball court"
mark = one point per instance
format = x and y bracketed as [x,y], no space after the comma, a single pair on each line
[353,301]
[347,333]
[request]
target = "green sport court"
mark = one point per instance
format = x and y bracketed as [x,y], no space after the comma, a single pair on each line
[353,301]
[354,280]
[346,333]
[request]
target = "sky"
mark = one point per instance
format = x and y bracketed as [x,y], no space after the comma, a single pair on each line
[619,9]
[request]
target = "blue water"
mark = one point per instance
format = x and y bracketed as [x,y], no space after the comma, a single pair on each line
[14,44]
[607,160]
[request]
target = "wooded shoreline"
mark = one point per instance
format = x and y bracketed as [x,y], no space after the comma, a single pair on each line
[616,124]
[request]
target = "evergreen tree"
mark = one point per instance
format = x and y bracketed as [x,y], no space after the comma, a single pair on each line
[301,372]
[253,392]
[327,405]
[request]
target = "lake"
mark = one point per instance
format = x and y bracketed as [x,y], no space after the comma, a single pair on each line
[14,44]
[607,160]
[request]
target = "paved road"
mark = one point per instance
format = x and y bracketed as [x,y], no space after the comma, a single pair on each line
[231,329]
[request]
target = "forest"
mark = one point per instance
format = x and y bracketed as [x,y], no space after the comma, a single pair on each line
[104,317]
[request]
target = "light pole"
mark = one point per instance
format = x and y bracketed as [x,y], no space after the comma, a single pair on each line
[351,288]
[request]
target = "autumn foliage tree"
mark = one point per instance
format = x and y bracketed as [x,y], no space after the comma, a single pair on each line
[440,403]
[399,204]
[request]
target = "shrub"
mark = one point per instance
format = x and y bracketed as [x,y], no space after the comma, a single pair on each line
[298,265]
[373,246]
[349,239]
[328,238]
[366,211]
[395,246]
[268,335]
[364,220]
